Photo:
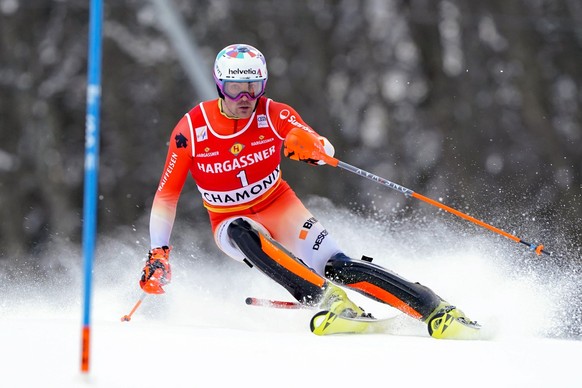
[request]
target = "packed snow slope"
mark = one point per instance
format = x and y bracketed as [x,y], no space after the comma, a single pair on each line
[201,333]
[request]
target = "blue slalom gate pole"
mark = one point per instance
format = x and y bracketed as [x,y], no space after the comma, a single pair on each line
[91,170]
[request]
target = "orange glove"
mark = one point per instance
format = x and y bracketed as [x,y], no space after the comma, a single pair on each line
[157,271]
[306,146]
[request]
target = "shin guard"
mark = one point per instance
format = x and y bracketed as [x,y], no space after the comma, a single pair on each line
[276,262]
[382,285]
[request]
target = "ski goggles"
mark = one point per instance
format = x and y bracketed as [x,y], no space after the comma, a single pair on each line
[235,90]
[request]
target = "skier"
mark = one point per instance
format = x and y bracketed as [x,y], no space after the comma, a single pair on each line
[232,148]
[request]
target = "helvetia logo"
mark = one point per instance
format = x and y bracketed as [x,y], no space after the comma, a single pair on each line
[244,72]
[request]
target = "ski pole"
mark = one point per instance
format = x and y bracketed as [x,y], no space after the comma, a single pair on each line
[538,249]
[127,318]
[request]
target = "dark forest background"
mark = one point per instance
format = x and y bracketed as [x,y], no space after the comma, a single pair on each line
[475,103]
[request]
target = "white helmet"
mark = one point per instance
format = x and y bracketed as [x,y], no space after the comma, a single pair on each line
[244,64]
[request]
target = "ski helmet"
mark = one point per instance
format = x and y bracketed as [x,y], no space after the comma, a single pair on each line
[240,70]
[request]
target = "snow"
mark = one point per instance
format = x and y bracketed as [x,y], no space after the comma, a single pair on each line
[45,352]
[201,333]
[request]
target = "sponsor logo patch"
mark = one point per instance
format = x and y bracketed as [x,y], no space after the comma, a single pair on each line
[261,140]
[319,240]
[169,169]
[207,154]
[307,225]
[181,141]
[262,121]
[236,148]
[236,163]
[242,195]
[201,133]
[249,71]
[284,114]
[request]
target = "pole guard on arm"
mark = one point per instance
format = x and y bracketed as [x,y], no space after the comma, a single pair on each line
[306,146]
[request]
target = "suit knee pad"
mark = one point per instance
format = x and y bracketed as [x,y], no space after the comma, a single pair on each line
[276,262]
[382,285]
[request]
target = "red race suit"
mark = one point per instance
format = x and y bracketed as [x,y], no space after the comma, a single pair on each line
[236,166]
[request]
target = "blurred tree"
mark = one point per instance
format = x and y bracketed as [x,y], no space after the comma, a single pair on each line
[472,102]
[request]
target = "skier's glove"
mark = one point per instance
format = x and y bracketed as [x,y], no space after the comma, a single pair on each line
[157,271]
[306,146]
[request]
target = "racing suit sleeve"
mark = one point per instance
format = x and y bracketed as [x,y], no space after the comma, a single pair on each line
[178,161]
[284,118]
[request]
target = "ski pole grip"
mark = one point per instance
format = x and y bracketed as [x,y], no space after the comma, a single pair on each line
[329,159]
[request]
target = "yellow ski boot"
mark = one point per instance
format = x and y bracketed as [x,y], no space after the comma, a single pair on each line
[449,322]
[336,301]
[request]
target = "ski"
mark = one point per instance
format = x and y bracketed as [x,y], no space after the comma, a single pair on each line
[278,304]
[443,326]
[328,323]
